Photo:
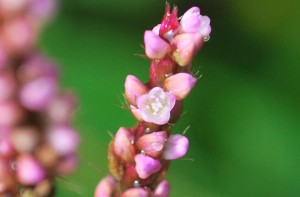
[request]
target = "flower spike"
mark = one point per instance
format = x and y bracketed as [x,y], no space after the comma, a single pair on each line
[140,156]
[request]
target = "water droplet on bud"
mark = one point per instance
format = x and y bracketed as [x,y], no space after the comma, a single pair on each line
[147,130]
[206,38]
[136,183]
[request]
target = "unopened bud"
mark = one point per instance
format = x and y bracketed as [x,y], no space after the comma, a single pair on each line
[180,84]
[134,88]
[152,144]
[187,45]
[155,46]
[146,166]
[162,189]
[176,147]
[123,146]
[105,187]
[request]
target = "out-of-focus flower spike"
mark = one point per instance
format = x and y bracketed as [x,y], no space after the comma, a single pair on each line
[105,187]
[162,189]
[136,192]
[180,84]
[123,146]
[176,147]
[145,166]
[134,88]
[155,46]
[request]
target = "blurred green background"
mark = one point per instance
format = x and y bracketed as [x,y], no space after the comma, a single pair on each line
[243,113]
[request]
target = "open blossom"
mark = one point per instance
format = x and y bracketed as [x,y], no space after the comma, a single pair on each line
[193,22]
[156,106]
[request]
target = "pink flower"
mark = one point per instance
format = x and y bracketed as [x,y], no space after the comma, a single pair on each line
[156,106]
[180,84]
[176,147]
[145,166]
[155,46]
[193,22]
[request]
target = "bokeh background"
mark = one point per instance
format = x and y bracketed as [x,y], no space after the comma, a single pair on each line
[243,113]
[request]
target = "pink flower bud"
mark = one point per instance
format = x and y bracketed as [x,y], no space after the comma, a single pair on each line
[176,147]
[187,45]
[180,84]
[193,22]
[134,88]
[145,166]
[37,94]
[63,139]
[152,144]
[155,46]
[123,146]
[105,187]
[136,192]
[162,189]
[156,106]
[29,170]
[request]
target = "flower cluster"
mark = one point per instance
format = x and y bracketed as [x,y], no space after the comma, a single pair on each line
[139,156]
[37,141]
